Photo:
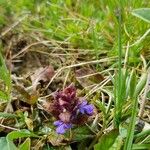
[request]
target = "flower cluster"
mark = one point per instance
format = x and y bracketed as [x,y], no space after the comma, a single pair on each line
[69,109]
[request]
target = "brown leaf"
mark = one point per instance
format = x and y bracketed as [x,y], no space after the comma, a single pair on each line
[28,98]
[42,74]
[50,107]
[87,77]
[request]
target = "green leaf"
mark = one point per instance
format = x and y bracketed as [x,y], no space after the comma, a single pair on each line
[25,145]
[3,143]
[7,144]
[3,96]
[117,144]
[130,134]
[5,77]
[20,134]
[101,106]
[141,147]
[134,92]
[7,115]
[142,134]
[141,83]
[131,128]
[142,13]
[133,80]
[119,96]
[11,145]
[107,140]
[81,133]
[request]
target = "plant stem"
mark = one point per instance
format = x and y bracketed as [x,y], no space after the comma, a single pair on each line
[118,96]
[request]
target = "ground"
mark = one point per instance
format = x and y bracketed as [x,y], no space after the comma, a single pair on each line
[47,46]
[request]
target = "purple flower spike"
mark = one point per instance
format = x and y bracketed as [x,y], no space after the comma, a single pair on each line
[84,108]
[62,127]
[69,109]
[67,95]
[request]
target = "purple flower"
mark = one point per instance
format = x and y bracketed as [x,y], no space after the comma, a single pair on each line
[84,108]
[67,95]
[69,109]
[62,127]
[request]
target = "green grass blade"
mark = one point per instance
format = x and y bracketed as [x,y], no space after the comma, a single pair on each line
[142,13]
[118,81]
[130,134]
[141,83]
[141,146]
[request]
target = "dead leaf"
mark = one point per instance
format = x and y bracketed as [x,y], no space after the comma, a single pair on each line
[42,74]
[87,77]
[28,98]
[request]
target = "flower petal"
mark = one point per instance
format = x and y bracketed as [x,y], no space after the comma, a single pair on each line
[68,125]
[58,123]
[89,109]
[84,102]
[62,128]
[86,109]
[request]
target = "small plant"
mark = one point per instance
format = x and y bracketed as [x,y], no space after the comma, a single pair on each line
[69,109]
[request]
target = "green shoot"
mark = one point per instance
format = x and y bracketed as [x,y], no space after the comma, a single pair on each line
[5,81]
